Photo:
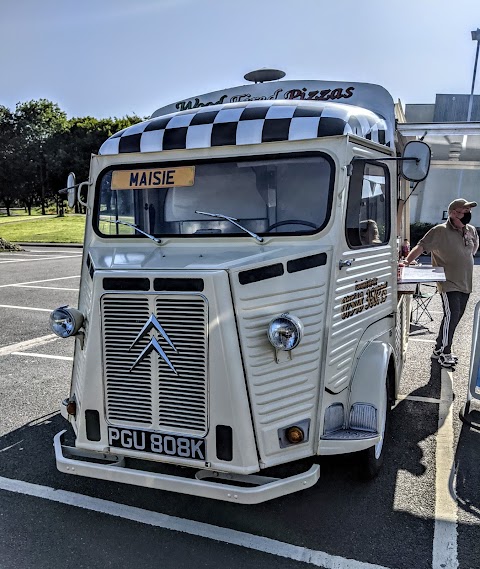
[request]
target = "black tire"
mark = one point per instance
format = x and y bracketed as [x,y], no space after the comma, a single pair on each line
[370,460]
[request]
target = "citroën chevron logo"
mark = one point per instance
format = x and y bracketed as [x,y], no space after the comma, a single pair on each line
[153,344]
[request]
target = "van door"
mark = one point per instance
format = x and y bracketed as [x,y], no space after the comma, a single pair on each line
[364,284]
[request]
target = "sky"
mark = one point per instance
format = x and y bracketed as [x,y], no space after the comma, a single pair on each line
[112,58]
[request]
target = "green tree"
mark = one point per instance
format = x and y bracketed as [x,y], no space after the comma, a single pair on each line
[71,149]
[7,153]
[36,122]
[39,146]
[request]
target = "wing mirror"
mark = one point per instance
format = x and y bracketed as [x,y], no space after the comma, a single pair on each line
[415,162]
[71,190]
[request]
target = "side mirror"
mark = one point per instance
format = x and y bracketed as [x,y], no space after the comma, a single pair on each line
[71,190]
[417,165]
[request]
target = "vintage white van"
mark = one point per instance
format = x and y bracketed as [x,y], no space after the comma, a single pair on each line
[238,307]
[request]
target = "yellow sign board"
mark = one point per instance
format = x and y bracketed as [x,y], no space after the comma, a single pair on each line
[153,178]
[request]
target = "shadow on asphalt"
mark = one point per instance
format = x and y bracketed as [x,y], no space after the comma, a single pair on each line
[27,453]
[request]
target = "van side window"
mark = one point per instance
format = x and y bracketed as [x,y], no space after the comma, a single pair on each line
[368,207]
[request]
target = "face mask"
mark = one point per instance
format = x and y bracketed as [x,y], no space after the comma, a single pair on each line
[466,218]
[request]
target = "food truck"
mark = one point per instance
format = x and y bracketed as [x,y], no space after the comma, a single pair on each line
[239,314]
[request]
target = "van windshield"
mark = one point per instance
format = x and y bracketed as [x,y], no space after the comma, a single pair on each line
[266,195]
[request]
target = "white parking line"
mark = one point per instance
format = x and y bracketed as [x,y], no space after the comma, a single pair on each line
[25,308]
[418,398]
[31,354]
[216,533]
[22,255]
[42,281]
[76,250]
[11,446]
[28,344]
[46,287]
[445,532]
[40,259]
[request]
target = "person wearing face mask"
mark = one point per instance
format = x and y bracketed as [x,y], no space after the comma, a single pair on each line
[452,245]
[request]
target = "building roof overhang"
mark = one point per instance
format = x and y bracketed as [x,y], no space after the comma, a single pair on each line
[453,144]
[452,128]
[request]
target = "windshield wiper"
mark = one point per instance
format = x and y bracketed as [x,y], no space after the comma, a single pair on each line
[234,221]
[119,222]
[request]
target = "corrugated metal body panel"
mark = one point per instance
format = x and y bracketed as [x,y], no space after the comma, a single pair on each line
[183,404]
[358,295]
[287,389]
[141,388]
[128,393]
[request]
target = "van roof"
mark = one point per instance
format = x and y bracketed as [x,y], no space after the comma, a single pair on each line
[249,122]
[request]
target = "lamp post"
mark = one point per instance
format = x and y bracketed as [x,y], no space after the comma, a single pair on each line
[475,37]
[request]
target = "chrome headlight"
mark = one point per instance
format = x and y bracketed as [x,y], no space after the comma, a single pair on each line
[66,321]
[285,332]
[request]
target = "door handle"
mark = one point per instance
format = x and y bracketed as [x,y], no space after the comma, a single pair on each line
[345,263]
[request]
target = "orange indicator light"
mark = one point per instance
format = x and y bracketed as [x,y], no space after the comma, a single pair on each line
[295,435]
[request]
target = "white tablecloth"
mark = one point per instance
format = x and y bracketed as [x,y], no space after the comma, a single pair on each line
[422,274]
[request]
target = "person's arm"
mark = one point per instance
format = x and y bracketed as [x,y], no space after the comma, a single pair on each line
[475,245]
[414,253]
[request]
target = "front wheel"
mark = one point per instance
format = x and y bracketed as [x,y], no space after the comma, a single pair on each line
[371,459]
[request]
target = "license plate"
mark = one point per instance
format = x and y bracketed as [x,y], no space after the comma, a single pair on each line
[157,443]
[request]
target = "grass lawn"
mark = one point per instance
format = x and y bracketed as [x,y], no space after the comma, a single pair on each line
[16,218]
[43,229]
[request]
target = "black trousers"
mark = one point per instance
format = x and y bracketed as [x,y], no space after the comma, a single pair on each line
[454,304]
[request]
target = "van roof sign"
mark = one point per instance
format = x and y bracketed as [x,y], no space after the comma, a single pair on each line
[366,95]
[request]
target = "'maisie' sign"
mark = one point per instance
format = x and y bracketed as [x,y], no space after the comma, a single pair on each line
[153,178]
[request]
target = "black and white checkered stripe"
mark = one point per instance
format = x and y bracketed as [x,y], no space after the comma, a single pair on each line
[247,123]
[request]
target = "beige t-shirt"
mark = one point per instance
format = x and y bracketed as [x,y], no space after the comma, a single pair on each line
[453,250]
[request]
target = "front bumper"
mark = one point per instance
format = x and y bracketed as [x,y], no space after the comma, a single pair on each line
[113,468]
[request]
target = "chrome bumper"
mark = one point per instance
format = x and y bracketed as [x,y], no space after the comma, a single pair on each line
[265,488]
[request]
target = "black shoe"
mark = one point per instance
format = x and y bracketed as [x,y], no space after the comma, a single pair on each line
[436,354]
[447,360]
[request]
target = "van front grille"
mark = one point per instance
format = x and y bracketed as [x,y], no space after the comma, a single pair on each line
[142,389]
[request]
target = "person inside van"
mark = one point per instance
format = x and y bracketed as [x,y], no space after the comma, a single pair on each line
[369,233]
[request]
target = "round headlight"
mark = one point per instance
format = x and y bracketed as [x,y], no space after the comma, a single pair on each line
[66,321]
[285,332]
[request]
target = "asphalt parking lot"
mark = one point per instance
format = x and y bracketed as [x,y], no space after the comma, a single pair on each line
[423,510]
